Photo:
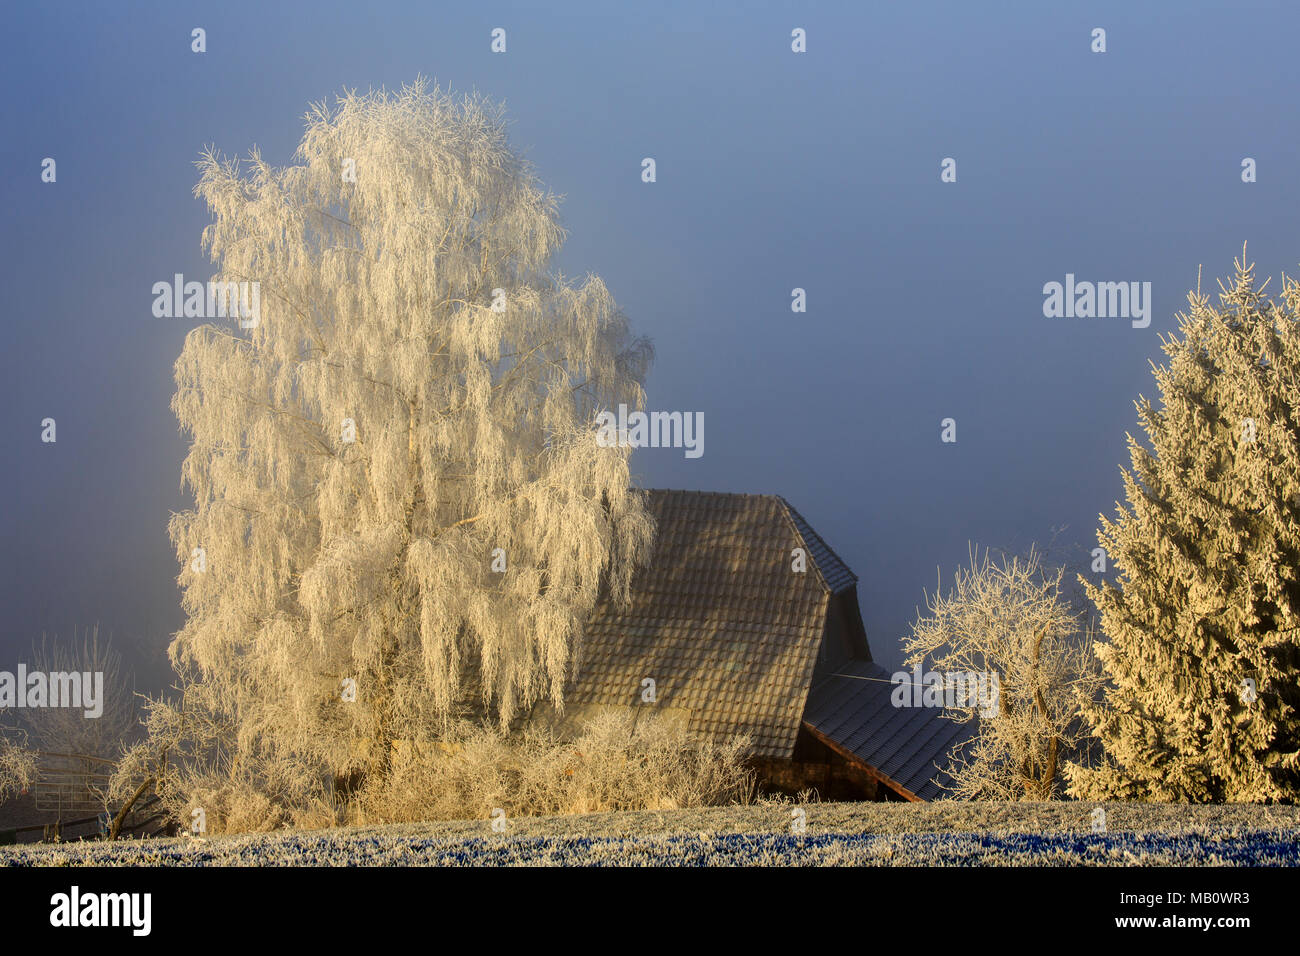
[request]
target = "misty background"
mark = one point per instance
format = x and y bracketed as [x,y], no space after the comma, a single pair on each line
[775,170]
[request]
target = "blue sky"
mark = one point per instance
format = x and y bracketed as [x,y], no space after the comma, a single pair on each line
[775,170]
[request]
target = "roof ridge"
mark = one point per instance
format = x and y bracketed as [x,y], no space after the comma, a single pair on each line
[804,529]
[699,491]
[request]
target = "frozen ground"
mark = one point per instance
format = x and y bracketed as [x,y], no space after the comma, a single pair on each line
[953,834]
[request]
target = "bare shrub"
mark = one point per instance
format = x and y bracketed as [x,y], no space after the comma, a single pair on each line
[186,762]
[17,764]
[240,803]
[618,763]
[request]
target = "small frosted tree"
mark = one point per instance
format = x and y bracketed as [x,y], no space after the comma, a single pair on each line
[1008,621]
[1203,617]
[68,730]
[397,477]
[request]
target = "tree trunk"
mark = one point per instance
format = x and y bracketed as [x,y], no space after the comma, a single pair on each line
[118,820]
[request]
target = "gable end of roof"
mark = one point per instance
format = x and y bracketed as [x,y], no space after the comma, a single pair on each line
[832,570]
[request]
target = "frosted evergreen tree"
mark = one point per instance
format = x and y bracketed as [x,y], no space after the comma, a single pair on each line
[396,472]
[1204,616]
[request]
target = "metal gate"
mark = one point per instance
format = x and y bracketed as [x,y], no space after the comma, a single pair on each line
[70,783]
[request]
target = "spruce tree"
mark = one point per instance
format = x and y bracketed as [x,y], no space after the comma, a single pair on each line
[1203,619]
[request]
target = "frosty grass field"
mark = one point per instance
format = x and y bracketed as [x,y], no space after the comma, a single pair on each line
[937,834]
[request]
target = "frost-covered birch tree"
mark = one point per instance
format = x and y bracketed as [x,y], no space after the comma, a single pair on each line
[1008,623]
[1203,617]
[396,473]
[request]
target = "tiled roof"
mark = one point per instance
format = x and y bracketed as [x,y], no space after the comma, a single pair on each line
[718,619]
[730,633]
[907,744]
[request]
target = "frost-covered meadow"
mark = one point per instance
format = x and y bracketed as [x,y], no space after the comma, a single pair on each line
[939,834]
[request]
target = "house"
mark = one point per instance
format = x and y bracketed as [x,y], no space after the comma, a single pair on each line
[745,621]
